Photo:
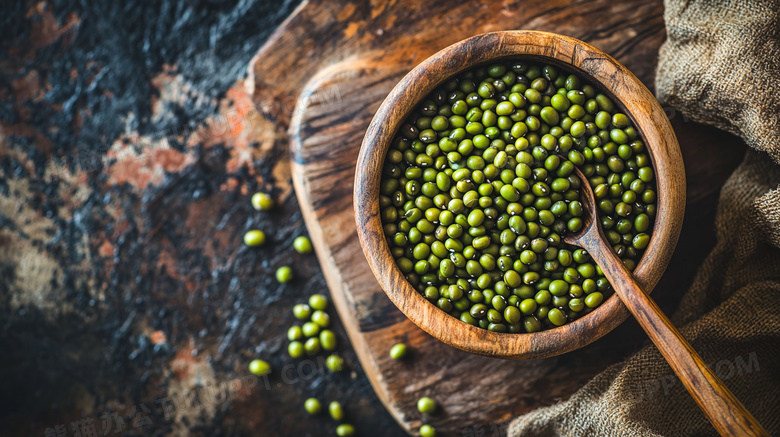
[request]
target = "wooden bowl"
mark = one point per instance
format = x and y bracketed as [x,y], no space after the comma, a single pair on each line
[603,72]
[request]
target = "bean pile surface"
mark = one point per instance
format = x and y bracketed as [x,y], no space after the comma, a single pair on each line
[477,190]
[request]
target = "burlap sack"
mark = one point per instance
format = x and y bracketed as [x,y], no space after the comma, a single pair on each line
[719,66]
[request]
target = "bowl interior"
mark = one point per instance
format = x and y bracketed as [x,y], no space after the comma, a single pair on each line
[594,67]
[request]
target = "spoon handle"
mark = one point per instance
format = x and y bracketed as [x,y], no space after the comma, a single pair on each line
[727,414]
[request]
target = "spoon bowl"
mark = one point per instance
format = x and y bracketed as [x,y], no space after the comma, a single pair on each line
[589,223]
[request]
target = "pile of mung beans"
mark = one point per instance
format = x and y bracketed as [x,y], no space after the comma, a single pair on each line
[477,191]
[313,336]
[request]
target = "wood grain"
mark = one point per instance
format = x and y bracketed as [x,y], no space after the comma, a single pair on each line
[723,409]
[344,65]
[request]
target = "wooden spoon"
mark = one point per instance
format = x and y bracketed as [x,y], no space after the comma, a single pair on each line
[726,413]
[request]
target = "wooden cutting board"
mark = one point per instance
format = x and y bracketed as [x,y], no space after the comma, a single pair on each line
[338,61]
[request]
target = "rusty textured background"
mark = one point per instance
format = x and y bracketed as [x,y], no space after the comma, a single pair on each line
[127,159]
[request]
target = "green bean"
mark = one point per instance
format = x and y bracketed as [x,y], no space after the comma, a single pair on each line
[335,363]
[427,431]
[321,318]
[254,238]
[284,274]
[310,329]
[302,311]
[328,340]
[398,351]
[345,430]
[302,244]
[294,333]
[312,346]
[336,411]
[427,405]
[318,302]
[259,367]
[312,406]
[262,201]
[295,349]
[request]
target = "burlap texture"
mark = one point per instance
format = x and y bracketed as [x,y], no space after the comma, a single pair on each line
[719,66]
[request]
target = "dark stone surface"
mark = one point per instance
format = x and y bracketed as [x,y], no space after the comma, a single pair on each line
[124,284]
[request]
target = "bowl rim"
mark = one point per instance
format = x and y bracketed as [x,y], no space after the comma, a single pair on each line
[599,69]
